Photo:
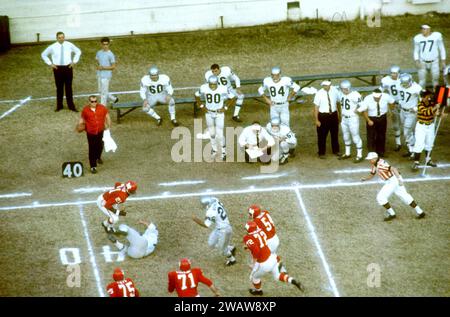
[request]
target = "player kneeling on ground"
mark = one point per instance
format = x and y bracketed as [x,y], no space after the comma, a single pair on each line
[285,138]
[220,237]
[140,245]
[264,261]
[393,184]
[122,287]
[109,203]
[185,281]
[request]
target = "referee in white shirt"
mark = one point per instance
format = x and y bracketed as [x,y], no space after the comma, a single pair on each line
[62,64]
[326,117]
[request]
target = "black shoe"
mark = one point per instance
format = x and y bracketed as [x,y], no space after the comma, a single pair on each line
[159,121]
[344,157]
[254,291]
[298,285]
[112,238]
[415,167]
[389,217]
[73,109]
[100,161]
[358,160]
[58,109]
[233,251]
[431,163]
[322,157]
[397,147]
[420,216]
[117,100]
[230,262]
[236,119]
[407,154]
[175,123]
[93,170]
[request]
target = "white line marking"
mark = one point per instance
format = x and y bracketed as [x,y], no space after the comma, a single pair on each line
[84,190]
[315,239]
[126,92]
[91,253]
[230,192]
[443,165]
[193,182]
[353,170]
[268,176]
[20,104]
[15,195]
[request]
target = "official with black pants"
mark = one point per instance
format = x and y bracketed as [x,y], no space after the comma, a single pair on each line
[62,65]
[375,107]
[327,118]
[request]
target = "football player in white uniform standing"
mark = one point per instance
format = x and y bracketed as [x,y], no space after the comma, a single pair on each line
[157,89]
[409,94]
[428,47]
[391,85]
[226,75]
[281,89]
[350,101]
[215,97]
[220,237]
[285,138]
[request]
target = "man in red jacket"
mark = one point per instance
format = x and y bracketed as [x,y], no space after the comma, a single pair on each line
[122,287]
[185,280]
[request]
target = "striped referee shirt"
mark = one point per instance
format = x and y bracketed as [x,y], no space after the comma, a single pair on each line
[425,114]
[382,168]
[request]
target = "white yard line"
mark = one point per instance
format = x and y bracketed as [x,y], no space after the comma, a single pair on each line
[315,239]
[126,92]
[13,195]
[367,170]
[167,195]
[181,183]
[84,190]
[20,104]
[264,176]
[91,253]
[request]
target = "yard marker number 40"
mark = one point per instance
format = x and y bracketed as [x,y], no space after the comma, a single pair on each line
[72,169]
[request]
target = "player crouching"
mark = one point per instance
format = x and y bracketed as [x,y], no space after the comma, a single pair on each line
[109,203]
[264,261]
[284,137]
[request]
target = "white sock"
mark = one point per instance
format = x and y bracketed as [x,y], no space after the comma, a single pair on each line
[237,108]
[359,152]
[347,150]
[418,210]
[152,113]
[390,211]
[214,144]
[397,140]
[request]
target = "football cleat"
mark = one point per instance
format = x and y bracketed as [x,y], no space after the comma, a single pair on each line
[415,167]
[175,123]
[236,119]
[93,170]
[298,285]
[431,163]
[159,121]
[358,160]
[343,157]
[255,291]
[420,216]
[230,262]
[389,217]
[397,147]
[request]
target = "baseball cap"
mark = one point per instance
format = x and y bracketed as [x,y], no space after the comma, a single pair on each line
[325,83]
[371,155]
[425,26]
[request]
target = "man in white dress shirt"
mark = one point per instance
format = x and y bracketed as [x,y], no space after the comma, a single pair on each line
[326,117]
[62,64]
[255,137]
[429,50]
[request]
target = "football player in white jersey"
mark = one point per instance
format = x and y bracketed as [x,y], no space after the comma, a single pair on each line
[409,94]
[429,49]
[285,139]
[350,101]
[281,89]
[226,75]
[157,89]
[391,84]
[220,237]
[215,97]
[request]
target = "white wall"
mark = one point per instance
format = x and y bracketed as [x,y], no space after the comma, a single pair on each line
[87,18]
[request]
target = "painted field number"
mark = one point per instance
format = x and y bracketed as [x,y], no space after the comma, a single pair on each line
[72,169]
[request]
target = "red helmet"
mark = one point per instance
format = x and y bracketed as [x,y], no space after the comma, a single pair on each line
[251,226]
[118,274]
[131,187]
[254,211]
[185,265]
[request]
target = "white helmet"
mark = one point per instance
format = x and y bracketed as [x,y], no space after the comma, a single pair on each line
[275,121]
[395,69]
[213,80]
[405,80]
[276,70]
[346,84]
[208,200]
[153,71]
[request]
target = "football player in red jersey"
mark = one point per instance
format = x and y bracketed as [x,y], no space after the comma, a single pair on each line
[264,261]
[121,287]
[185,280]
[109,203]
[264,221]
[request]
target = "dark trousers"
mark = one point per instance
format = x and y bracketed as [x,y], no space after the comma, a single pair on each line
[329,122]
[95,147]
[376,135]
[63,81]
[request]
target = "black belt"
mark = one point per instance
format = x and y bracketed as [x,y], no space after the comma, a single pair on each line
[380,116]
[428,61]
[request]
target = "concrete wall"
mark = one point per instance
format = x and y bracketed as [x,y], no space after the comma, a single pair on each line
[87,18]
